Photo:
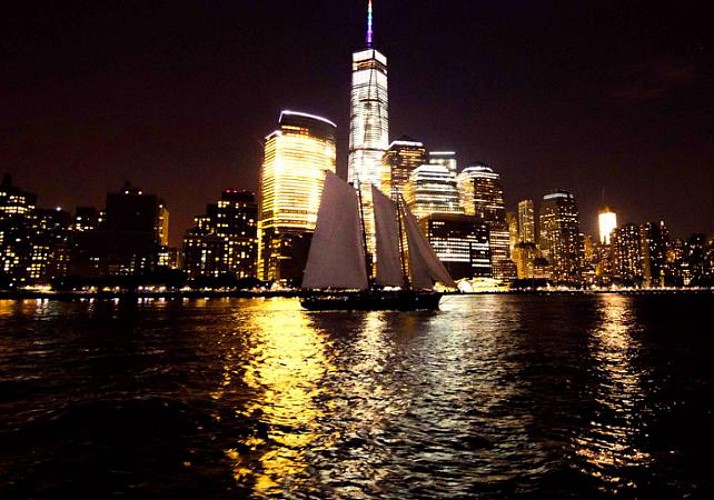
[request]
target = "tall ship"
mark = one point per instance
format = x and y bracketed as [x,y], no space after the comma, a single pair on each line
[340,271]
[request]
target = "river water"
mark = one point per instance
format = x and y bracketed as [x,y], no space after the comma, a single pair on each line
[494,396]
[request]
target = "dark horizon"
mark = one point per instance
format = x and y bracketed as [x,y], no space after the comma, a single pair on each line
[177,97]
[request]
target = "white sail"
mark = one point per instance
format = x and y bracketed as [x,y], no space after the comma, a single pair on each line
[425,266]
[336,258]
[389,269]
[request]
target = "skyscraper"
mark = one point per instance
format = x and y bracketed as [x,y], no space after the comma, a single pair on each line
[369,119]
[431,190]
[560,239]
[402,158]
[445,158]
[526,222]
[297,155]
[654,238]
[627,255]
[481,194]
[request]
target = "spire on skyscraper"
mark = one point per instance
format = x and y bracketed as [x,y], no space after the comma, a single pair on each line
[370,33]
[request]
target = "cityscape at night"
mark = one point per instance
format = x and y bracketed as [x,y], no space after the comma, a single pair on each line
[356,250]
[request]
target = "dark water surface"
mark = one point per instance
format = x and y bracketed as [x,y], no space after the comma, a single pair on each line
[495,396]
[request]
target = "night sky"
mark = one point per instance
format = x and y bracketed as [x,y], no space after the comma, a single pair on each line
[588,96]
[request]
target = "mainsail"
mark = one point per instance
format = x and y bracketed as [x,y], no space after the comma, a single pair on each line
[336,258]
[389,268]
[425,266]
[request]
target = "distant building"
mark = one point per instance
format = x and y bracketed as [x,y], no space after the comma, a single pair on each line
[627,255]
[526,222]
[17,220]
[444,158]
[525,255]
[225,239]
[561,241]
[461,243]
[481,194]
[402,158]
[125,242]
[297,155]
[432,190]
[654,240]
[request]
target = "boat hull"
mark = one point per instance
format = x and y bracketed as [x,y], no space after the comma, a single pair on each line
[373,301]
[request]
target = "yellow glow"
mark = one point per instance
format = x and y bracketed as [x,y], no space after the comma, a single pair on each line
[607,222]
[285,365]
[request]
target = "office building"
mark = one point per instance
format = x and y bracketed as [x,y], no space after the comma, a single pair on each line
[297,156]
[224,241]
[431,190]
[526,222]
[627,255]
[402,158]
[560,239]
[481,194]
[654,239]
[460,242]
[607,222]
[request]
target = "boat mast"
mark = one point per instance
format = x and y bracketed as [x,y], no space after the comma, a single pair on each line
[367,260]
[402,250]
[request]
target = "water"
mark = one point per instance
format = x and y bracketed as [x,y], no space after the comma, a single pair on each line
[495,396]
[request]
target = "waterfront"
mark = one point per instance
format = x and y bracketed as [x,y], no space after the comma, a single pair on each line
[494,396]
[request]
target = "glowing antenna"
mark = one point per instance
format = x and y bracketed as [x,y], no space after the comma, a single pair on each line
[370,33]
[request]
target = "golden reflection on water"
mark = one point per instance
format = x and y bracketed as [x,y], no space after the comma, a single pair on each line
[286,362]
[610,443]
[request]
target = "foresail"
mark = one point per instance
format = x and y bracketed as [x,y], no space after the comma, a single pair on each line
[389,269]
[336,258]
[425,266]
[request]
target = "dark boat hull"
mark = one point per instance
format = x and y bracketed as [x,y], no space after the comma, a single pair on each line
[373,301]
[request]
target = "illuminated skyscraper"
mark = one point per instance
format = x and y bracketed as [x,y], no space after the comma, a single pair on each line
[607,222]
[402,158]
[560,238]
[654,238]
[526,222]
[297,155]
[369,119]
[481,194]
[445,158]
[431,190]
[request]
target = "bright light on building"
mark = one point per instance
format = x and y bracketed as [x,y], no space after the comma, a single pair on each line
[607,222]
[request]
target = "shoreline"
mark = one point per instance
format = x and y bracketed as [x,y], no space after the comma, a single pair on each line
[250,294]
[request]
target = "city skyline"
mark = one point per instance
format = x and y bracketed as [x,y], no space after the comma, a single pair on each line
[164,99]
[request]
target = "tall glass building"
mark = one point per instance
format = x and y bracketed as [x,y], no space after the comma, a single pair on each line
[297,155]
[481,194]
[369,118]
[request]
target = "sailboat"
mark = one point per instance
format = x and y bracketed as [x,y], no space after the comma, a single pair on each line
[339,270]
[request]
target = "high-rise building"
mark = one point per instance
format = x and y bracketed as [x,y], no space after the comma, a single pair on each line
[126,242]
[653,237]
[627,255]
[402,158]
[561,241]
[17,218]
[369,118]
[445,158]
[225,239]
[526,222]
[460,242]
[481,194]
[607,222]
[432,189]
[297,155]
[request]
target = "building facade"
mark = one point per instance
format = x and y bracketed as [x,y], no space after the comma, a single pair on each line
[481,194]
[402,158]
[461,244]
[560,239]
[431,190]
[224,241]
[297,155]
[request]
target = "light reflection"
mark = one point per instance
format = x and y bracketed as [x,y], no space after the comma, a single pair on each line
[286,363]
[611,442]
